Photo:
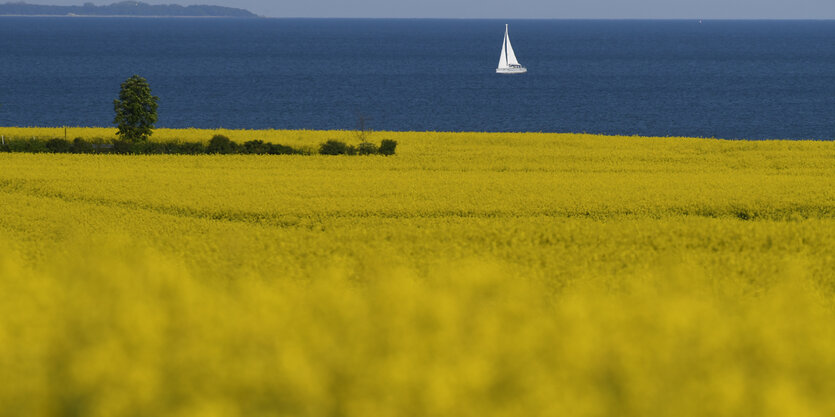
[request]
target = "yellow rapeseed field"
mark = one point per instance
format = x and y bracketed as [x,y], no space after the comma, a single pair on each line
[472,274]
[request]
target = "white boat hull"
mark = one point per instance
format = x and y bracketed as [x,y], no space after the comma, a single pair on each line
[511,70]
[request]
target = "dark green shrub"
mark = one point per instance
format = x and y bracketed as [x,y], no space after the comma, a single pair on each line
[187,148]
[102,145]
[80,145]
[16,145]
[122,146]
[333,147]
[366,148]
[220,144]
[58,145]
[37,146]
[149,148]
[172,148]
[256,147]
[387,147]
[276,149]
[27,145]
[157,147]
[138,148]
[194,148]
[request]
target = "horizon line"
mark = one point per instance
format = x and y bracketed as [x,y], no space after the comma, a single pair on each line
[553,18]
[454,18]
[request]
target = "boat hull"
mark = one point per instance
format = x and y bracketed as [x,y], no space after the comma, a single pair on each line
[511,70]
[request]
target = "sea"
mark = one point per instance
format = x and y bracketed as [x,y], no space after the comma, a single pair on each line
[711,78]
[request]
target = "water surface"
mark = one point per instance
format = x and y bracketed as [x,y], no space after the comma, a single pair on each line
[731,79]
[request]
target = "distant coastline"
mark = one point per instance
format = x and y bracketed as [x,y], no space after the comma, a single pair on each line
[122,9]
[105,16]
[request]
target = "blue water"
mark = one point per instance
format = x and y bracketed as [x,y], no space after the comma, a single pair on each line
[730,79]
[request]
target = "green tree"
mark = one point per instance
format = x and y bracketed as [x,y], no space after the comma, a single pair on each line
[136,110]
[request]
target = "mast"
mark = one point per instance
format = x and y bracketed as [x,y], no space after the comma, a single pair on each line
[503,55]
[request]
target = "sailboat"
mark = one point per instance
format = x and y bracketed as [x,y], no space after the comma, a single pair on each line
[507,62]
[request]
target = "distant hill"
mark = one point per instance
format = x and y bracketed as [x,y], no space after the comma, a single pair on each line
[125,8]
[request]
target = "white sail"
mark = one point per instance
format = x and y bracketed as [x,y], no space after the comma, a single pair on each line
[507,61]
[511,57]
[503,57]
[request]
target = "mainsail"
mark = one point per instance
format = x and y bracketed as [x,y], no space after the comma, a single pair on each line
[511,57]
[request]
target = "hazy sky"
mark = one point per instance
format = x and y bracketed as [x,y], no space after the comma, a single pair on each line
[549,9]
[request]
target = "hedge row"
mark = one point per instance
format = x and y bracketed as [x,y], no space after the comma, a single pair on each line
[217,145]
[335,147]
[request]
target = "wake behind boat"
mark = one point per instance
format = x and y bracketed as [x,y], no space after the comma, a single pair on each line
[507,61]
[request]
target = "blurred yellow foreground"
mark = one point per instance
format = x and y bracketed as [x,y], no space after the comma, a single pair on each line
[472,274]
